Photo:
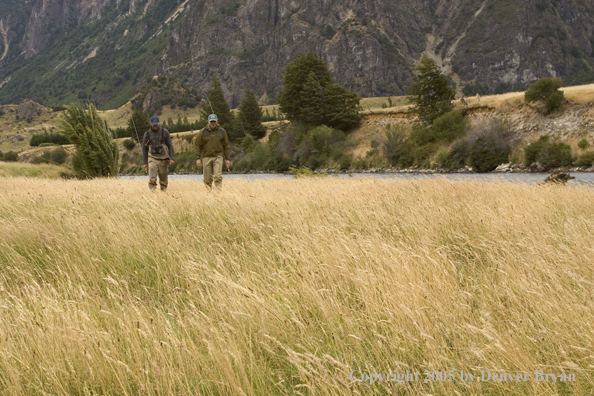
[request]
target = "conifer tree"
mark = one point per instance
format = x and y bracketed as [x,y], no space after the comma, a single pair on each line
[307,88]
[250,115]
[217,104]
[138,124]
[430,93]
[96,155]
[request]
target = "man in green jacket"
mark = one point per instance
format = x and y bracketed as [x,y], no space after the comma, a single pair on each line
[212,143]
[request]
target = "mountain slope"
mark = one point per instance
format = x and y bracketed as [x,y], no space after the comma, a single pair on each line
[59,51]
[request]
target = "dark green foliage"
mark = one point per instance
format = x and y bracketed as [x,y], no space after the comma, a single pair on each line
[10,156]
[421,134]
[310,97]
[321,147]
[398,148]
[46,137]
[120,132]
[129,144]
[581,73]
[217,104]
[274,116]
[550,155]
[546,90]
[458,155]
[263,156]
[430,93]
[185,162]
[56,157]
[491,147]
[486,154]
[250,115]
[423,155]
[555,155]
[586,159]
[1,155]
[449,126]
[138,124]
[533,150]
[583,144]
[475,87]
[96,155]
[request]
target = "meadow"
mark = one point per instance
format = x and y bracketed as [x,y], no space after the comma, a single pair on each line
[294,287]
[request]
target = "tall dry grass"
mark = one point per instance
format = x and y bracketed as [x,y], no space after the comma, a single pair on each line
[284,287]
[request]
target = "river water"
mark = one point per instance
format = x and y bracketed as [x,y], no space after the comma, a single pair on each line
[586,178]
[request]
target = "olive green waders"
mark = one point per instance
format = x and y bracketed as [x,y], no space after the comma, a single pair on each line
[158,167]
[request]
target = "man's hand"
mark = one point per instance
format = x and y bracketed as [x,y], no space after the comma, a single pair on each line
[198,163]
[171,162]
[228,163]
[145,166]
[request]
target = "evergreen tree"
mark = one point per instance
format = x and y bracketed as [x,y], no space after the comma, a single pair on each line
[250,115]
[430,93]
[217,104]
[138,124]
[97,155]
[310,97]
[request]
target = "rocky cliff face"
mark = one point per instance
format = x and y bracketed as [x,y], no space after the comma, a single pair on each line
[56,51]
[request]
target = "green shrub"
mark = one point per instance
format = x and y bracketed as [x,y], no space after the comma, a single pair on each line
[583,144]
[586,159]
[421,134]
[11,156]
[423,154]
[555,155]
[532,151]
[550,155]
[491,146]
[44,138]
[398,148]
[487,153]
[449,126]
[441,157]
[129,144]
[546,90]
[58,156]
[319,146]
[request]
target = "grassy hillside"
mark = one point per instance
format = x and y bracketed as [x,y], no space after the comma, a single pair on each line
[285,287]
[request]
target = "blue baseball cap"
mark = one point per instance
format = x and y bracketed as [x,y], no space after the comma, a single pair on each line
[154,120]
[212,117]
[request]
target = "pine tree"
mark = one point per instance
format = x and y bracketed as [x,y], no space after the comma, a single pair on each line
[217,104]
[250,115]
[97,155]
[138,124]
[430,93]
[310,97]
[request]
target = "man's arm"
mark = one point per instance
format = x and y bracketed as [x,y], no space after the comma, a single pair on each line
[226,146]
[169,145]
[198,148]
[144,149]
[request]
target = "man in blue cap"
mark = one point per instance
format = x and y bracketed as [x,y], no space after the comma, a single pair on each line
[212,143]
[154,155]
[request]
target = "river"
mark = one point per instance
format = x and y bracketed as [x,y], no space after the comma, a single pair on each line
[586,178]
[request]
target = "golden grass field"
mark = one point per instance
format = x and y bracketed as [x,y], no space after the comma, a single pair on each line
[284,287]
